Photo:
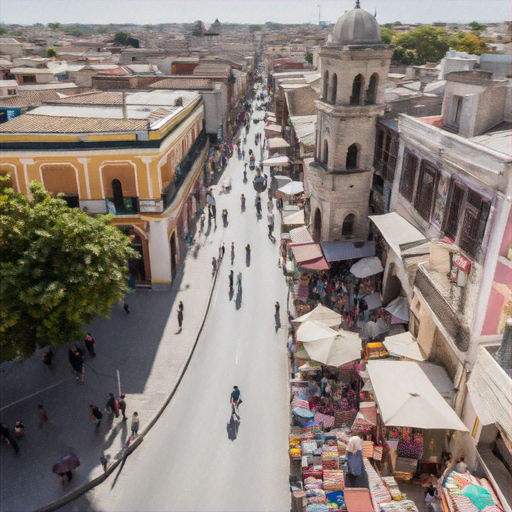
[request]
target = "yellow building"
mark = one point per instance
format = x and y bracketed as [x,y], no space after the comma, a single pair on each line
[138,155]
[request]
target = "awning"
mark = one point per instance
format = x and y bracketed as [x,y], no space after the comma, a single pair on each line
[373,300]
[293,188]
[341,251]
[278,160]
[407,398]
[321,314]
[306,252]
[294,219]
[278,143]
[300,235]
[396,230]
[274,128]
[399,308]
[404,345]
[366,267]
[312,330]
[316,264]
[341,349]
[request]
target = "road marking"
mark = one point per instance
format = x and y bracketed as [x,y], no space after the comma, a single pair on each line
[35,394]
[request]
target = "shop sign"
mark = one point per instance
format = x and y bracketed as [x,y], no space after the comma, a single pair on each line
[219,133]
[150,206]
[110,206]
[12,113]
[463,263]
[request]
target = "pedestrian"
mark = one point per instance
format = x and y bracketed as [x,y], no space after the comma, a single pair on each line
[202,219]
[8,438]
[270,222]
[235,400]
[90,344]
[96,417]
[239,281]
[180,319]
[126,308]
[104,459]
[221,250]
[214,265]
[231,278]
[278,308]
[76,360]
[232,252]
[42,416]
[122,406]
[47,358]
[135,424]
[19,429]
[112,407]
[181,307]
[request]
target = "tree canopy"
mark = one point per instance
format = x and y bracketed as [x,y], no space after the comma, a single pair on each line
[60,268]
[477,27]
[51,52]
[54,26]
[469,43]
[309,57]
[421,45]
[125,39]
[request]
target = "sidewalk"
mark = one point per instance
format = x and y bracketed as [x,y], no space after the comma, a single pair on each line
[148,353]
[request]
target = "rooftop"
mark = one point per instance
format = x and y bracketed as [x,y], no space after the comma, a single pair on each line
[500,141]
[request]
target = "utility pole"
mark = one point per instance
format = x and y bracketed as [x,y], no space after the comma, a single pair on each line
[319,13]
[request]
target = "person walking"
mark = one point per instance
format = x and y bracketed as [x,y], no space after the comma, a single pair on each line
[90,344]
[239,281]
[180,319]
[231,278]
[214,265]
[270,223]
[232,252]
[235,400]
[201,221]
[96,417]
[242,202]
[221,250]
[48,357]
[76,360]
[8,438]
[126,307]
[112,408]
[19,429]
[42,416]
[122,406]
[278,308]
[135,424]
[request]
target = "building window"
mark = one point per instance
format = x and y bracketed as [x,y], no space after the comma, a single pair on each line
[357,88]
[380,145]
[326,153]
[117,191]
[347,229]
[334,87]
[457,104]
[371,92]
[426,190]
[29,79]
[466,218]
[11,92]
[352,157]
[326,85]
[408,176]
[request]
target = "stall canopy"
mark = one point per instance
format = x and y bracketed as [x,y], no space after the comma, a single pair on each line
[294,219]
[292,188]
[276,161]
[278,143]
[313,330]
[301,235]
[372,330]
[341,251]
[340,349]
[309,256]
[367,267]
[403,345]
[396,230]
[276,128]
[399,308]
[407,398]
[373,300]
[321,314]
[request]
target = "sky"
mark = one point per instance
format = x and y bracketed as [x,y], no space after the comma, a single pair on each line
[247,11]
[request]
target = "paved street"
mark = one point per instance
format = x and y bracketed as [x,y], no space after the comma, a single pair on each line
[188,461]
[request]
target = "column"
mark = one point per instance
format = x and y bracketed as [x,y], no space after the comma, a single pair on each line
[159,255]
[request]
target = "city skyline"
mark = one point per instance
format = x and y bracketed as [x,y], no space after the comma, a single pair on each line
[27,12]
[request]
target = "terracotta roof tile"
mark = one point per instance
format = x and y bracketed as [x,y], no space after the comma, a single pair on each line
[183,83]
[36,98]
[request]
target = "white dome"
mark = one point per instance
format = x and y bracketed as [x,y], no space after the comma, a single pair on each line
[357,26]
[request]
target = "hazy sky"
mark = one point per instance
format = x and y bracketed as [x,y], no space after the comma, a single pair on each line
[246,11]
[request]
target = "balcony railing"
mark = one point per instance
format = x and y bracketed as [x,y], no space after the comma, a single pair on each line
[129,206]
[183,169]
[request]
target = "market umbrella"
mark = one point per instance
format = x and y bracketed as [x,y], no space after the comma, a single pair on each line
[313,330]
[67,463]
[310,366]
[341,349]
[293,188]
[372,330]
[321,314]
[366,267]
[399,308]
[302,354]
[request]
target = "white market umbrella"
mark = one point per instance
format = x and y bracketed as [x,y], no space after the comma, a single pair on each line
[366,267]
[404,345]
[399,308]
[313,330]
[373,329]
[321,314]
[310,366]
[276,161]
[293,188]
[341,349]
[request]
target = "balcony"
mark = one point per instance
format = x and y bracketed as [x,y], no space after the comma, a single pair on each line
[125,206]
[183,169]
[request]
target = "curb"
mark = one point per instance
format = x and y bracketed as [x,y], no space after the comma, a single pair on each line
[75,493]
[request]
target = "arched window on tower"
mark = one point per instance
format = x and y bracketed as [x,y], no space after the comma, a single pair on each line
[371,92]
[352,157]
[347,229]
[325,155]
[117,192]
[357,89]
[334,88]
[326,85]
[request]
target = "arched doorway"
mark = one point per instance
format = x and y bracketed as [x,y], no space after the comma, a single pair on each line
[174,255]
[326,85]
[117,191]
[352,157]
[136,266]
[347,229]
[371,92]
[357,88]
[325,158]
[317,226]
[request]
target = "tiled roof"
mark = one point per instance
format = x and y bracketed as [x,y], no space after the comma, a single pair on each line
[35,98]
[301,102]
[305,129]
[183,83]
[497,141]
[93,98]
[30,123]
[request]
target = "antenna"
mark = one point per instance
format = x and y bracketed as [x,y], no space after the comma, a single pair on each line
[319,13]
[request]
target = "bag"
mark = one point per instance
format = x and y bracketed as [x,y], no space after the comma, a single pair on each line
[239,401]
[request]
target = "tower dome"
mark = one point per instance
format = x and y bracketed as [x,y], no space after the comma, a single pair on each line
[357,26]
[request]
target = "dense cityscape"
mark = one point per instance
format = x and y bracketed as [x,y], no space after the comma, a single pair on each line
[254,267]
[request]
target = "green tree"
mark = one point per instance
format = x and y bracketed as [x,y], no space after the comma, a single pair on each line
[198,29]
[121,37]
[54,26]
[51,52]
[3,31]
[469,43]
[309,57]
[254,28]
[102,29]
[477,27]
[387,36]
[426,44]
[60,269]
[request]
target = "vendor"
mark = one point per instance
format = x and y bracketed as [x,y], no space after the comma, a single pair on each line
[461,466]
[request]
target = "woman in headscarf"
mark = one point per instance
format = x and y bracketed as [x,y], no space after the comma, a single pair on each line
[355,471]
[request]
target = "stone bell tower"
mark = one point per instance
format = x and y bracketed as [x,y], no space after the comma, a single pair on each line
[355,66]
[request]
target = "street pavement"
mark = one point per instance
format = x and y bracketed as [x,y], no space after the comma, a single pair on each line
[194,459]
[187,462]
